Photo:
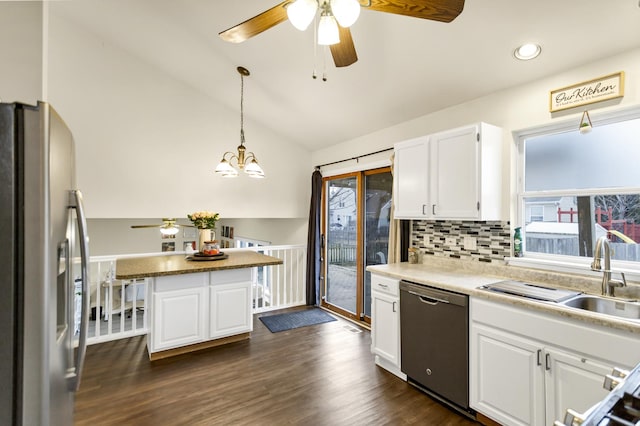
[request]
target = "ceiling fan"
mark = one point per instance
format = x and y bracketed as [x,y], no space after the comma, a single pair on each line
[343,52]
[168,226]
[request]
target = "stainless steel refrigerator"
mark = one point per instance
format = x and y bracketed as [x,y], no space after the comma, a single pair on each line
[42,226]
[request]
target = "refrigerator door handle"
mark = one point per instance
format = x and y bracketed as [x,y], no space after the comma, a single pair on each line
[75,202]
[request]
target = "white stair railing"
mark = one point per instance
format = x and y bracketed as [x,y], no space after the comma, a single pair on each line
[117,306]
[280,286]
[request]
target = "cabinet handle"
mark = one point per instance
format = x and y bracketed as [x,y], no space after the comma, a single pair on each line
[547,362]
[423,206]
[393,307]
[433,209]
[539,356]
[383,285]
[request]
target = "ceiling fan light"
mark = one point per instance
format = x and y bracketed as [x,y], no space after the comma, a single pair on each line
[328,31]
[345,11]
[301,13]
[170,230]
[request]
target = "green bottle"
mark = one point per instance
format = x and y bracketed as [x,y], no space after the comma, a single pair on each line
[517,243]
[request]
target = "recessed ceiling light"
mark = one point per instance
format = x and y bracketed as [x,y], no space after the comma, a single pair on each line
[527,51]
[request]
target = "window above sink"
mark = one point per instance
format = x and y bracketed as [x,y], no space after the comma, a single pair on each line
[574,188]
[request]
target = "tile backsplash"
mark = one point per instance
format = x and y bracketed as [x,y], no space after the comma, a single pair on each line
[445,238]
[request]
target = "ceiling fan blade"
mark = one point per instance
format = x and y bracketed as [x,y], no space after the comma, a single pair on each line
[259,23]
[344,53]
[146,226]
[435,10]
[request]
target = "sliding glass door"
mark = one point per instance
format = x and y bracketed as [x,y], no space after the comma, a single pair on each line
[356,232]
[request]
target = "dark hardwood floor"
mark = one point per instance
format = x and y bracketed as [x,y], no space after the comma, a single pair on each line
[317,375]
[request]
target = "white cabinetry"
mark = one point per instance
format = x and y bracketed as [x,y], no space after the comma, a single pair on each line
[466,173]
[385,323]
[230,303]
[199,308]
[455,174]
[411,178]
[527,367]
[179,310]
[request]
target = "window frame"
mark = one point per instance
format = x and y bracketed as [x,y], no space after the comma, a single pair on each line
[554,262]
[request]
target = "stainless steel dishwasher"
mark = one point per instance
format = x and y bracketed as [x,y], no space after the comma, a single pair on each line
[434,327]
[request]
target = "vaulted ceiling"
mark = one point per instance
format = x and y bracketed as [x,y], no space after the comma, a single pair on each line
[406,68]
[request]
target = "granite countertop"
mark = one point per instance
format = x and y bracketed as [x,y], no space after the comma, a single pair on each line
[157,266]
[465,277]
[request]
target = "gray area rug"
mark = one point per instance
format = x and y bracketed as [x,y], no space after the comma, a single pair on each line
[297,319]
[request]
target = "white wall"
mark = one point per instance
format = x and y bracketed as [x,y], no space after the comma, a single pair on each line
[21,48]
[513,109]
[147,144]
[115,236]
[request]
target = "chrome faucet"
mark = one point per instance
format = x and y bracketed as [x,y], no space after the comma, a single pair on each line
[608,284]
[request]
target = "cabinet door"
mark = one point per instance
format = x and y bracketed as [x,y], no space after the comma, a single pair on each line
[572,382]
[179,318]
[230,306]
[385,327]
[507,380]
[411,179]
[455,185]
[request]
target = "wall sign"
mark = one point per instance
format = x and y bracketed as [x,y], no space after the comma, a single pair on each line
[599,89]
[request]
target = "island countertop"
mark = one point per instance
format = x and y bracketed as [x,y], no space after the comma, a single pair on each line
[158,266]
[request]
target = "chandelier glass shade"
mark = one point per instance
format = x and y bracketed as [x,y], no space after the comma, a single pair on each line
[246,161]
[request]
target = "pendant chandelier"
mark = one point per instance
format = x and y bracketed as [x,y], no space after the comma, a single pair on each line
[246,161]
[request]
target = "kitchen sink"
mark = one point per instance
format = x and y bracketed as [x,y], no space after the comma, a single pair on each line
[603,305]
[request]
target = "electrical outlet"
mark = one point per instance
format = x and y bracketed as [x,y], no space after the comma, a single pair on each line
[470,243]
[450,241]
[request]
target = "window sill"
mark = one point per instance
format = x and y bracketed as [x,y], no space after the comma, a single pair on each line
[570,265]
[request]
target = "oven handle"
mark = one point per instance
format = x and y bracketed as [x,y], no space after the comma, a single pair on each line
[427,299]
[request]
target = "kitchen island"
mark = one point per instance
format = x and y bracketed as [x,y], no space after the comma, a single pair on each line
[192,305]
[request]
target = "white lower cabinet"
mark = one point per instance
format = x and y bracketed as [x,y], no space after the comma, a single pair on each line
[179,311]
[572,381]
[231,311]
[385,323]
[527,368]
[194,308]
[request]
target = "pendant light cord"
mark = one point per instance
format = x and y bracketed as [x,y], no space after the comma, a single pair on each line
[241,109]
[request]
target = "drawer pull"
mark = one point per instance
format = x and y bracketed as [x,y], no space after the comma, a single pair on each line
[547,362]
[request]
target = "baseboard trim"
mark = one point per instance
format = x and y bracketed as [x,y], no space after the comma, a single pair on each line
[198,346]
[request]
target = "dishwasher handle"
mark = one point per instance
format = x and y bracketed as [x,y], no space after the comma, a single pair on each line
[428,299]
[433,296]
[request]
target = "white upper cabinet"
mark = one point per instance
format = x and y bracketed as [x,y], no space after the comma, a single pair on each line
[411,178]
[455,174]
